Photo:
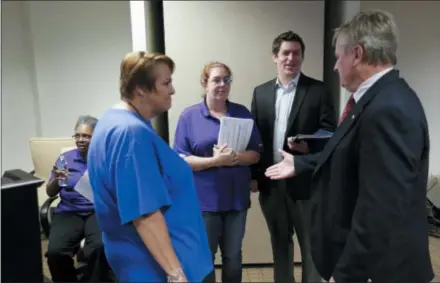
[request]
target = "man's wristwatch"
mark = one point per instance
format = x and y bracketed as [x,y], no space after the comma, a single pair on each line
[176,276]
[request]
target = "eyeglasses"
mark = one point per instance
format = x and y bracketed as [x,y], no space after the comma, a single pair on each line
[82,136]
[225,80]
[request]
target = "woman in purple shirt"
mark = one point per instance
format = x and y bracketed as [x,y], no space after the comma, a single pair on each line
[222,176]
[74,218]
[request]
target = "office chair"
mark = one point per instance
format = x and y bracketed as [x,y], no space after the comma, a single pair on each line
[432,206]
[46,213]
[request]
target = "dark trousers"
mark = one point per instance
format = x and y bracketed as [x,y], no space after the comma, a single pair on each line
[66,234]
[226,229]
[285,216]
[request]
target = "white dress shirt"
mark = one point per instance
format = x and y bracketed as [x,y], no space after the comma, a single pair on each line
[283,105]
[365,86]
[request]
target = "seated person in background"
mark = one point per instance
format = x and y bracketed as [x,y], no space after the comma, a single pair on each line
[222,176]
[74,218]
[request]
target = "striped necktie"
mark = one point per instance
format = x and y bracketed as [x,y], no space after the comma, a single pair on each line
[350,103]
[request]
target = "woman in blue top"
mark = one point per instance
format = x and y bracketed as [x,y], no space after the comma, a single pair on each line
[222,176]
[145,199]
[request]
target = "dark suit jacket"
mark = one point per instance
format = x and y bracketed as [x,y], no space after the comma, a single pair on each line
[312,109]
[368,206]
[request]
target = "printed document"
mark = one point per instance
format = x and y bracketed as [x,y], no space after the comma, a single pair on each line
[235,132]
[84,188]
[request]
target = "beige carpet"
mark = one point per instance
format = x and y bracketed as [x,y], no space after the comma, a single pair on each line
[266,274]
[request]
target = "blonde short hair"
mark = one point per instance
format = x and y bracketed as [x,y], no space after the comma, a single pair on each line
[138,70]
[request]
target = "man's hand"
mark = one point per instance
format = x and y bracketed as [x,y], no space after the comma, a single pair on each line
[301,146]
[282,170]
[254,186]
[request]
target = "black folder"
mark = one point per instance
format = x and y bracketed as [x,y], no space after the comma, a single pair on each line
[315,141]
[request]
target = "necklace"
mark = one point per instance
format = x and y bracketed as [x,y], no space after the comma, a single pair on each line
[134,107]
[138,113]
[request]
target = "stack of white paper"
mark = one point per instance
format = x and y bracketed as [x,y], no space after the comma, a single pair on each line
[84,188]
[235,132]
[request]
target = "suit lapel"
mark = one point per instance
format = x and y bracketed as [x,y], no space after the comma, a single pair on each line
[353,115]
[269,101]
[300,94]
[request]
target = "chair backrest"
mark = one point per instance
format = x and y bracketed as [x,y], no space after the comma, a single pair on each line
[44,152]
[434,190]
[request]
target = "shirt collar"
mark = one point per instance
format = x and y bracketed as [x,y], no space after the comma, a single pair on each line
[148,122]
[77,156]
[363,88]
[292,83]
[205,110]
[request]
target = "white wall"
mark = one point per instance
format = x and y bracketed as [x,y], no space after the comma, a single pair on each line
[419,57]
[78,46]
[60,60]
[18,91]
[240,34]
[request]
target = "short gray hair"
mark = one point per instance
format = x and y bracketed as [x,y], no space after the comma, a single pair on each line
[86,120]
[376,31]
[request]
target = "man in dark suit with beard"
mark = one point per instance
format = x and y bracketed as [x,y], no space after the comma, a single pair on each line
[369,182]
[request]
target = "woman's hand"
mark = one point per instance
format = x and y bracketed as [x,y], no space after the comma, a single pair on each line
[60,174]
[177,276]
[225,156]
[53,187]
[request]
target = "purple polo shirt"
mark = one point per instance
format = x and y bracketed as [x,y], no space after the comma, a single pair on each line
[218,189]
[71,200]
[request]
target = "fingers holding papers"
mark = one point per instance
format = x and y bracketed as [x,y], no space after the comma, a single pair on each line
[219,149]
[225,156]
